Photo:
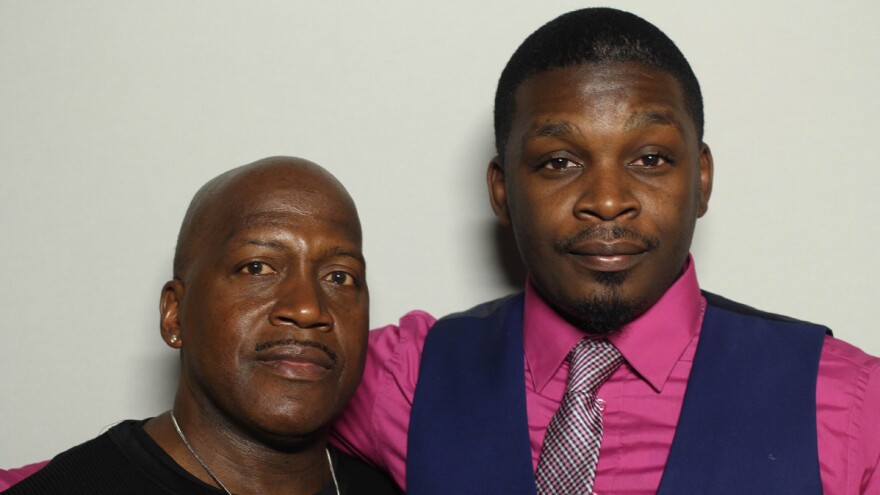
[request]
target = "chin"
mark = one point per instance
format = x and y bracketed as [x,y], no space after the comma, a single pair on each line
[605,310]
[291,436]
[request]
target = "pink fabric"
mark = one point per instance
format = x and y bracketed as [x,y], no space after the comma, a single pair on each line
[643,397]
[9,477]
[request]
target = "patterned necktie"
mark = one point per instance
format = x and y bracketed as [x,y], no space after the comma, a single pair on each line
[571,445]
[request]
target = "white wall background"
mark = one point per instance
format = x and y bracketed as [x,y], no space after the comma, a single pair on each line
[113,113]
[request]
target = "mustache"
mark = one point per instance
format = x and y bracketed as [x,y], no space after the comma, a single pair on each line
[262,346]
[605,233]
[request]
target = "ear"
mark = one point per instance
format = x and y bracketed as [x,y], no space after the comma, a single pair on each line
[497,191]
[707,169]
[169,313]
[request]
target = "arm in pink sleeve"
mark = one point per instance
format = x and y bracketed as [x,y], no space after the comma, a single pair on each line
[848,415]
[375,423]
[870,433]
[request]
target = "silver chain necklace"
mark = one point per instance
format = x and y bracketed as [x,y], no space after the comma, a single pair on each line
[214,476]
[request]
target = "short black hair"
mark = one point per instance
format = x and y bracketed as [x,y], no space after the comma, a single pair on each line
[594,35]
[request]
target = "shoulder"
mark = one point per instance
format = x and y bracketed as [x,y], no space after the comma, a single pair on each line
[76,470]
[358,477]
[486,309]
[761,339]
[838,357]
[9,477]
[845,355]
[395,350]
[847,401]
[848,375]
[410,330]
[403,343]
[733,307]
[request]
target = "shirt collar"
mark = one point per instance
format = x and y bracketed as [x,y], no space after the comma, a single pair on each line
[651,344]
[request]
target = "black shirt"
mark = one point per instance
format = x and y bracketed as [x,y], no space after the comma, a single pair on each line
[126,460]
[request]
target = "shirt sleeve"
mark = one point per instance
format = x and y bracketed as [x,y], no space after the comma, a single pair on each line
[375,423]
[868,424]
[848,403]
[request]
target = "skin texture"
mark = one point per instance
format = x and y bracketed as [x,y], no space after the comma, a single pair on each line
[269,308]
[602,180]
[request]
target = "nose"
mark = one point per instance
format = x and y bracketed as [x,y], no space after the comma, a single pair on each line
[299,301]
[606,194]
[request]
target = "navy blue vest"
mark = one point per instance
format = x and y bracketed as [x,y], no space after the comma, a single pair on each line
[747,425]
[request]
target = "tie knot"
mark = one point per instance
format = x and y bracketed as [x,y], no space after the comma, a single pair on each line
[592,362]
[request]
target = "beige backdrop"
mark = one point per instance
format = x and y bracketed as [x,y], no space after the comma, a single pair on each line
[113,113]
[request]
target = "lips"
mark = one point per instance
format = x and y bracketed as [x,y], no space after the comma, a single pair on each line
[609,256]
[297,362]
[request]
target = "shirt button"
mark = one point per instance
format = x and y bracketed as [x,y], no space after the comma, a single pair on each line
[601,405]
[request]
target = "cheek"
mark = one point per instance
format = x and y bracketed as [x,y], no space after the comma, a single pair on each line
[534,211]
[352,325]
[353,347]
[675,218]
[218,336]
[669,204]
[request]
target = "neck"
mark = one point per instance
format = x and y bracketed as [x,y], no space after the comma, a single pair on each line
[241,462]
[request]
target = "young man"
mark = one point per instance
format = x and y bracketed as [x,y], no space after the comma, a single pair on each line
[269,311]
[612,372]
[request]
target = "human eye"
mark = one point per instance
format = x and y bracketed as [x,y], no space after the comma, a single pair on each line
[339,277]
[558,163]
[653,160]
[257,268]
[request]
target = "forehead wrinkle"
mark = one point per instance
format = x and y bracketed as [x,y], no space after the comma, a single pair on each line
[284,214]
[267,218]
[259,228]
[236,235]
[332,251]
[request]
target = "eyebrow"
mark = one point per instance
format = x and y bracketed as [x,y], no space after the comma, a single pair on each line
[551,129]
[335,251]
[268,244]
[637,120]
[650,118]
[340,251]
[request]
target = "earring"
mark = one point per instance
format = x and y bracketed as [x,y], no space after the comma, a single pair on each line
[173,339]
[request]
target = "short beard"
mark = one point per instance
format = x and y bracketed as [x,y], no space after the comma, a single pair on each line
[605,315]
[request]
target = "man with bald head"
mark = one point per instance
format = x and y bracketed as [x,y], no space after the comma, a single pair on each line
[268,309]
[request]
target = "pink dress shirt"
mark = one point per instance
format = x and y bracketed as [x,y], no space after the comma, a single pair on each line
[643,397]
